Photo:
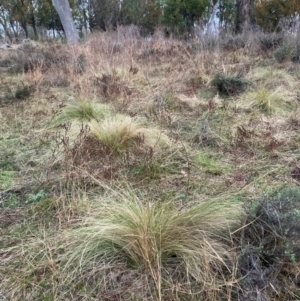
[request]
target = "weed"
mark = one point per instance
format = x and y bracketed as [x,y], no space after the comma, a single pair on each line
[6,179]
[10,200]
[33,198]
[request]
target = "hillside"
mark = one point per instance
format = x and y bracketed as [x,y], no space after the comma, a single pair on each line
[150,169]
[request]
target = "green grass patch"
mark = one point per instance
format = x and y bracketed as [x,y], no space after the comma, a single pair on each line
[6,179]
[209,164]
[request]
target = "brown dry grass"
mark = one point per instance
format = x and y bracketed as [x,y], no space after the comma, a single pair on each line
[221,149]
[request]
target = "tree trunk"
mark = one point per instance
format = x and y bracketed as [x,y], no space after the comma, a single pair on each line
[211,25]
[245,15]
[34,27]
[33,21]
[4,25]
[24,26]
[63,9]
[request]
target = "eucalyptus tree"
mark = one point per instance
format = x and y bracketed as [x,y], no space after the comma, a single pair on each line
[146,14]
[269,13]
[245,19]
[104,14]
[64,11]
[181,15]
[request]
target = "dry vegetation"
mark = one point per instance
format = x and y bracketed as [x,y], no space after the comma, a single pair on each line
[137,169]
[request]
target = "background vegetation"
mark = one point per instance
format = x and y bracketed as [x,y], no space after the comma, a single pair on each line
[37,19]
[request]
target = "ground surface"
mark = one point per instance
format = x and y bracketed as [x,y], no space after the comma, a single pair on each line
[220,147]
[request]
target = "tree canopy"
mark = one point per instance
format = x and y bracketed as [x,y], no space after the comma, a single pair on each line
[31,18]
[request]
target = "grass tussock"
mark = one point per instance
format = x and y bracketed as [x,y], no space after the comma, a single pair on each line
[120,132]
[157,239]
[278,101]
[82,112]
[271,78]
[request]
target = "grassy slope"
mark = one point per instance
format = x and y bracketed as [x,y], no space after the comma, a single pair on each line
[222,148]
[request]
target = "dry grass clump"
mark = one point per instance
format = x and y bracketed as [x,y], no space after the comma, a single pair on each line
[157,240]
[293,121]
[126,248]
[271,78]
[120,132]
[279,101]
[116,133]
[94,144]
[271,133]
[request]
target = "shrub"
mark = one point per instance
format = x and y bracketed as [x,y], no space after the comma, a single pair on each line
[229,85]
[270,242]
[234,42]
[28,57]
[24,91]
[268,41]
[282,53]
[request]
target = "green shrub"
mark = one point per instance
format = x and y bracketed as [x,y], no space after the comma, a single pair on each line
[282,53]
[34,198]
[269,242]
[229,85]
[24,91]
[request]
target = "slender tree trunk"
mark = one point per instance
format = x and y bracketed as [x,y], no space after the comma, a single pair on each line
[34,27]
[14,30]
[33,20]
[63,9]
[211,29]
[24,26]
[245,15]
[4,25]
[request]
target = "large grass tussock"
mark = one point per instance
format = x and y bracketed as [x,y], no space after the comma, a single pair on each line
[157,239]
